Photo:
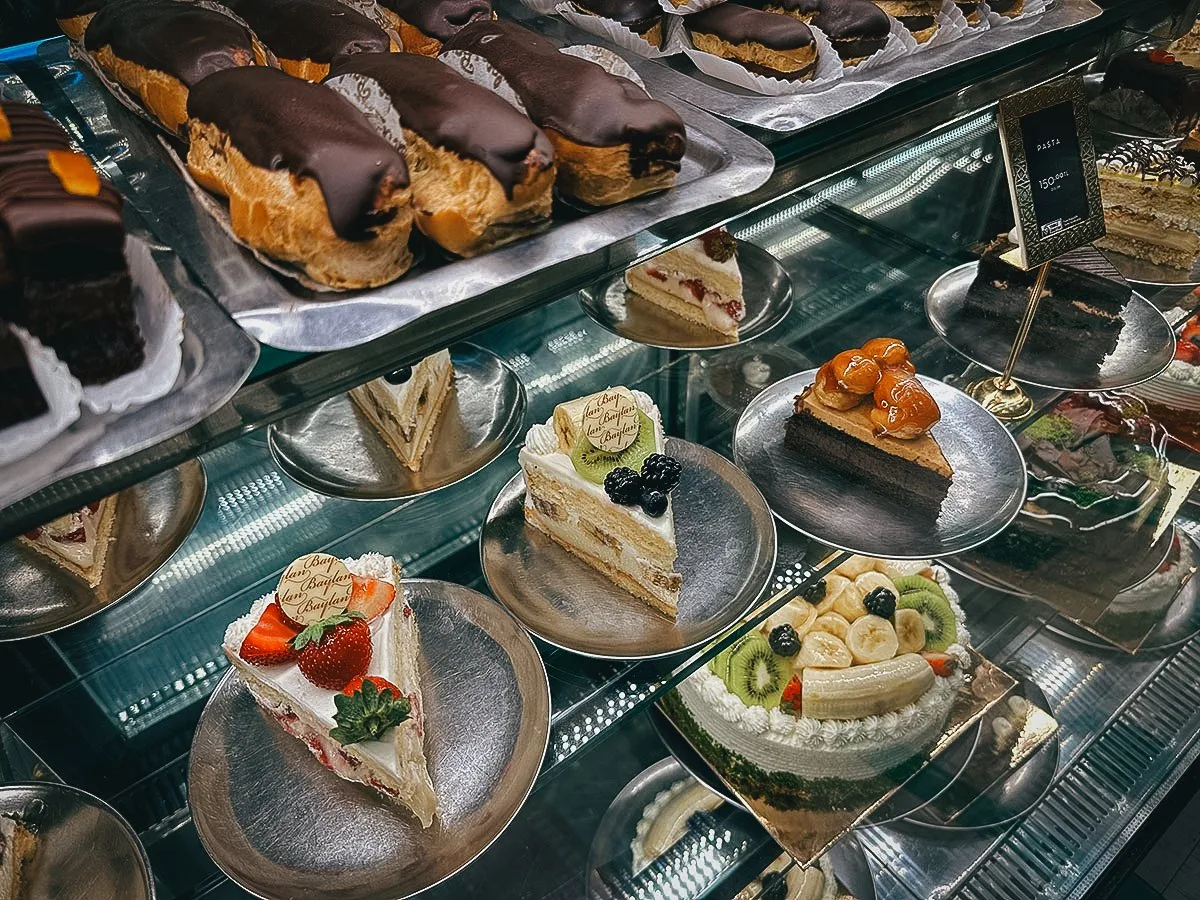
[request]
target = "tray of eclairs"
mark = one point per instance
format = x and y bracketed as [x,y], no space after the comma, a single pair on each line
[331,170]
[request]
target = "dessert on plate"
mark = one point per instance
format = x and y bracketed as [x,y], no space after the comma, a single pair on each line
[598,483]
[839,694]
[667,818]
[332,655]
[857,29]
[22,399]
[1151,204]
[1152,90]
[424,25]
[404,406]
[784,880]
[699,281]
[1173,397]
[643,17]
[17,847]
[867,415]
[79,540]
[761,42]
[1137,611]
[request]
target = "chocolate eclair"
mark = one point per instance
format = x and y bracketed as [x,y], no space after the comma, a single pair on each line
[305,35]
[762,42]
[920,17]
[26,133]
[643,17]
[308,179]
[482,173]
[972,10]
[613,141]
[159,49]
[1010,9]
[73,16]
[425,25]
[857,29]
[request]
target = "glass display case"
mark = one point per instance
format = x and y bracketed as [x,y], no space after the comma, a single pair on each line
[864,212]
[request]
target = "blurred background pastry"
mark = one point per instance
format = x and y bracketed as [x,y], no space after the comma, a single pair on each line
[920,17]
[643,17]
[425,25]
[857,29]
[73,16]
[762,42]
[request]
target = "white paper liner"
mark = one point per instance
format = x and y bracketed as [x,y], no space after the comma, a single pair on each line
[477,70]
[899,43]
[607,60]
[952,25]
[369,97]
[62,393]
[371,10]
[1032,8]
[690,7]
[827,73]
[616,33]
[160,319]
[984,24]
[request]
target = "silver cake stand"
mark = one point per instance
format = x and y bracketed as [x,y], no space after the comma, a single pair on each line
[280,824]
[861,515]
[766,286]
[1144,349]
[332,449]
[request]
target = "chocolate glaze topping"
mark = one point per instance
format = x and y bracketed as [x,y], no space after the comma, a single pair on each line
[280,122]
[742,25]
[69,9]
[310,29]
[440,18]
[448,111]
[840,19]
[32,133]
[638,15]
[576,98]
[186,41]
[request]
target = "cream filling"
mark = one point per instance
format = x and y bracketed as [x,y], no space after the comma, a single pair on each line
[80,553]
[399,405]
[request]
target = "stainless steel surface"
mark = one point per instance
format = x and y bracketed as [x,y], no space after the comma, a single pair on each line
[930,783]
[857,515]
[38,596]
[676,75]
[721,163]
[726,540]
[1143,351]
[767,289]
[281,825]
[1145,272]
[333,450]
[85,850]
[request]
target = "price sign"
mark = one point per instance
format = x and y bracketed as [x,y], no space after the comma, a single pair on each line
[1051,165]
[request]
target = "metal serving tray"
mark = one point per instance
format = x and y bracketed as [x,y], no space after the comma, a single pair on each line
[721,163]
[217,358]
[677,76]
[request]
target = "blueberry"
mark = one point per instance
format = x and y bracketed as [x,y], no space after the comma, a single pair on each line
[654,503]
[399,377]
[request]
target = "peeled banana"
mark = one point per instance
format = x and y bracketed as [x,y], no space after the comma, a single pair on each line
[868,690]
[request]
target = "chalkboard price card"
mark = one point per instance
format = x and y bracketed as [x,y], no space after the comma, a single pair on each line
[1051,165]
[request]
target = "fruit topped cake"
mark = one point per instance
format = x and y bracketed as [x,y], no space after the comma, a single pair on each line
[598,482]
[332,655]
[867,415]
[79,540]
[839,694]
[403,406]
[699,281]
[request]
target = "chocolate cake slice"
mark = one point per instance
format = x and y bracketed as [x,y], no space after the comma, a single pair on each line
[1164,81]
[21,399]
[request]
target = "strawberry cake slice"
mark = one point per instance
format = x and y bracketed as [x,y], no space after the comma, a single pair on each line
[332,655]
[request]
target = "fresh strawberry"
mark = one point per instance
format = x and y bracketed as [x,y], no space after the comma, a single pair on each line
[370,596]
[1161,56]
[335,650]
[943,664]
[791,698]
[269,642]
[381,683]
[1187,352]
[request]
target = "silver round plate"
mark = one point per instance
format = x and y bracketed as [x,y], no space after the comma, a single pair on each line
[726,541]
[38,596]
[332,449]
[85,849]
[1143,271]
[280,824]
[766,286]
[1145,348]
[857,515]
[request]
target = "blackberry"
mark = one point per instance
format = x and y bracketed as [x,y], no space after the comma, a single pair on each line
[814,593]
[774,886]
[880,602]
[661,472]
[654,503]
[623,486]
[784,640]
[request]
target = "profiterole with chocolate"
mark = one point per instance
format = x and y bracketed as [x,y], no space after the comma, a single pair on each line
[424,26]
[857,29]
[763,43]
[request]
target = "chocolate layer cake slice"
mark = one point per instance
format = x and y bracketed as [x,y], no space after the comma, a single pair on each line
[21,399]
[26,133]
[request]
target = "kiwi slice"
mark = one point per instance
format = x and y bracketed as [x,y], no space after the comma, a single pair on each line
[719,664]
[941,630]
[593,463]
[906,583]
[757,674]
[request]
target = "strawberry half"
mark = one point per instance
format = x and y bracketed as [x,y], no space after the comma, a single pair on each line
[333,652]
[269,642]
[380,682]
[791,698]
[943,664]
[370,596]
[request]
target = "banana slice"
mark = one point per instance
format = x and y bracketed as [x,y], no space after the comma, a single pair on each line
[910,631]
[898,568]
[856,565]
[849,603]
[835,585]
[800,614]
[872,639]
[868,690]
[822,650]
[832,623]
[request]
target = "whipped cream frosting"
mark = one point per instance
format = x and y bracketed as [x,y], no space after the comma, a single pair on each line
[541,446]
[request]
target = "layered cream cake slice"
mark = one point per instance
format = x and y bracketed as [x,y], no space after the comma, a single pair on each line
[17,846]
[404,405]
[78,541]
[332,655]
[699,281]
[598,483]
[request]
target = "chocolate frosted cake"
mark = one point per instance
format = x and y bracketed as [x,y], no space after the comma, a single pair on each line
[21,399]
[856,28]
